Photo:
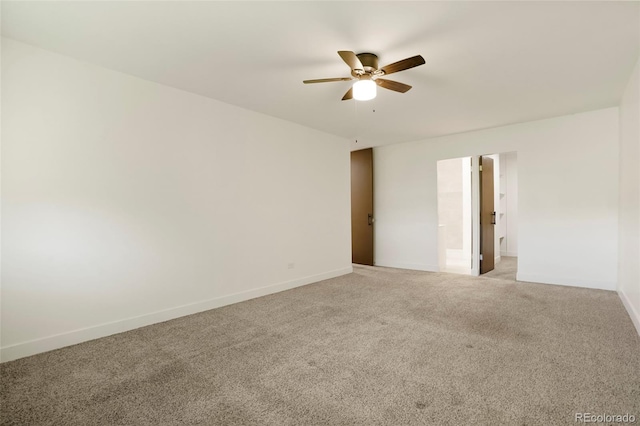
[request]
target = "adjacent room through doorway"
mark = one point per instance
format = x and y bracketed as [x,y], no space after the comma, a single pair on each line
[478,217]
[507,217]
[454,215]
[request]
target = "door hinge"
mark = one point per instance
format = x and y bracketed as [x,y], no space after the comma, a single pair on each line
[481,258]
[480,168]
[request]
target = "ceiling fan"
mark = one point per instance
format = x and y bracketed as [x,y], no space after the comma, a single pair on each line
[364,69]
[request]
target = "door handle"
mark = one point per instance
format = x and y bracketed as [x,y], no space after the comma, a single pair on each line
[493,218]
[370,219]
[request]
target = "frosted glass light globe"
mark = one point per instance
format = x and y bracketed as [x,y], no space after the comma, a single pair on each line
[364,90]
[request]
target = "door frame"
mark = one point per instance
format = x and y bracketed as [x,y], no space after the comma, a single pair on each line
[362,205]
[475,215]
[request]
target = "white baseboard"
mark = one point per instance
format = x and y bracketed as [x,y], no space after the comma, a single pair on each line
[509,253]
[58,341]
[633,313]
[497,259]
[568,281]
[412,266]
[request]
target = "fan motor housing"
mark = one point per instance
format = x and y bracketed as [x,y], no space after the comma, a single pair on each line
[369,61]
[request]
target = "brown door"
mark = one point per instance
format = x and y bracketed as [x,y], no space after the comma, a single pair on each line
[487,216]
[362,206]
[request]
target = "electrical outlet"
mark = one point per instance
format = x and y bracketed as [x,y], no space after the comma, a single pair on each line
[291,265]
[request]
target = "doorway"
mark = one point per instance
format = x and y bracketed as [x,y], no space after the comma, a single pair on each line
[488,214]
[506,201]
[454,215]
[362,207]
[477,213]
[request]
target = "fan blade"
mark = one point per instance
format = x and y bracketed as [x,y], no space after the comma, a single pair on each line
[327,80]
[393,85]
[348,95]
[351,59]
[404,64]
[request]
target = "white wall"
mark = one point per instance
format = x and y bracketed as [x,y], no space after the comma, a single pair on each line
[568,197]
[126,202]
[629,272]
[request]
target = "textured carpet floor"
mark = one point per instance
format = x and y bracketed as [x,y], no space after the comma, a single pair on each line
[379,346]
[506,269]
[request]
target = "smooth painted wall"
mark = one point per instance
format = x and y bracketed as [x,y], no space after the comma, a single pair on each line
[629,272]
[126,202]
[567,197]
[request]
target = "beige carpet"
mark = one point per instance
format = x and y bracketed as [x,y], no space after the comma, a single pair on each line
[379,346]
[506,269]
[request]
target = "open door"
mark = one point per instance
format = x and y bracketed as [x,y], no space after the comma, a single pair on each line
[362,207]
[487,216]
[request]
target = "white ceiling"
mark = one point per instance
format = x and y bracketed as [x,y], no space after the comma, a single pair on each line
[488,63]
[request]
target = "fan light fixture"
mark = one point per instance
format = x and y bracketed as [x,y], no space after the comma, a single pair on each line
[364,69]
[364,90]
